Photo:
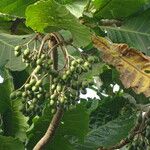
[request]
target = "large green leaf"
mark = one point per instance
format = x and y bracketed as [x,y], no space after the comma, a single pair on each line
[9,143]
[7,44]
[15,7]
[111,133]
[5,89]
[135,32]
[73,124]
[14,122]
[51,16]
[111,9]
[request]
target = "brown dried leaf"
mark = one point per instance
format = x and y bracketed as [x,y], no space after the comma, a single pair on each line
[134,66]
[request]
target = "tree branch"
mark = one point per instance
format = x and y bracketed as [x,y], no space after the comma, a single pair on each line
[59,113]
[51,130]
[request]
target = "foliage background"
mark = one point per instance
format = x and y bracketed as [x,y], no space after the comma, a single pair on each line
[93,122]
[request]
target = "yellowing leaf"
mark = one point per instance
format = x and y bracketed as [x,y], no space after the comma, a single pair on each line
[134,66]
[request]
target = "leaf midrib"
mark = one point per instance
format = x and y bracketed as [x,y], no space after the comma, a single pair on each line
[126,30]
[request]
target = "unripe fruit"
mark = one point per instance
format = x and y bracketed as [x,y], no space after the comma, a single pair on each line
[53,86]
[80,61]
[59,88]
[91,59]
[43,56]
[37,69]
[38,83]
[39,96]
[17,48]
[34,88]
[18,93]
[13,95]
[34,100]
[49,62]
[53,111]
[74,63]
[39,61]
[86,65]
[24,94]
[64,77]
[26,52]
[72,68]
[53,96]
[27,86]
[55,80]
[62,99]
[17,54]
[68,72]
[51,102]
[32,82]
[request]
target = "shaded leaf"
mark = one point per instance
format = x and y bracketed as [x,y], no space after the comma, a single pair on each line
[7,44]
[113,8]
[15,7]
[134,31]
[9,143]
[5,89]
[14,122]
[48,17]
[111,133]
[134,67]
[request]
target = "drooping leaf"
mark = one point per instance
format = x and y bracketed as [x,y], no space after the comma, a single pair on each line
[48,17]
[109,134]
[112,9]
[14,122]
[134,31]
[15,7]
[7,44]
[134,67]
[9,143]
[73,124]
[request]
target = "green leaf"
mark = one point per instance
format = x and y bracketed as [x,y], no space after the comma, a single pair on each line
[14,122]
[5,89]
[111,133]
[116,9]
[9,143]
[7,44]
[47,16]
[15,7]
[73,124]
[135,32]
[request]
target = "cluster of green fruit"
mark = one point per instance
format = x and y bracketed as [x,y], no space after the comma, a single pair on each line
[33,92]
[142,140]
[64,87]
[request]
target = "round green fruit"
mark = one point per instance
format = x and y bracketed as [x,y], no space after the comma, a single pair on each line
[51,102]
[39,62]
[26,52]
[38,83]
[18,48]
[13,95]
[17,54]
[37,69]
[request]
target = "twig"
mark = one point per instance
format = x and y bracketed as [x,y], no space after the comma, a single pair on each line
[51,129]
